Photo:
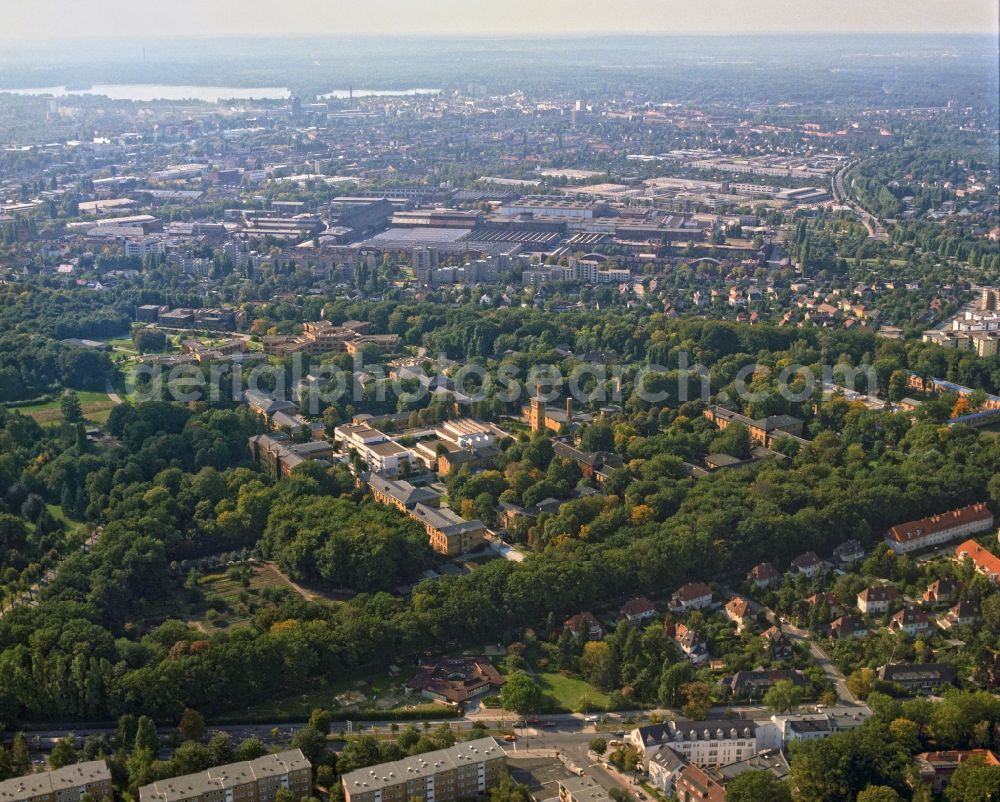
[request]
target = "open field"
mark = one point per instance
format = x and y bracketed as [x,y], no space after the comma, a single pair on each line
[572,693]
[96,407]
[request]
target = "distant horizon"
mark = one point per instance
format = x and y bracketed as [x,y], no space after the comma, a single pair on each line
[59,20]
[509,35]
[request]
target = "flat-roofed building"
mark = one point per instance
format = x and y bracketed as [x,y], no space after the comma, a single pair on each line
[463,771]
[581,789]
[67,784]
[250,781]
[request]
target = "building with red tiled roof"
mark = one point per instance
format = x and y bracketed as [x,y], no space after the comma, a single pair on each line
[936,768]
[456,679]
[638,609]
[692,596]
[876,599]
[763,574]
[987,563]
[938,529]
[694,785]
[738,609]
[584,624]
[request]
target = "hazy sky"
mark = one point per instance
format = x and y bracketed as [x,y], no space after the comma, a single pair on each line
[150,18]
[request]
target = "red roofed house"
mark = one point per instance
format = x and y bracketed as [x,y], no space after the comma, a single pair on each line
[763,574]
[987,563]
[941,590]
[738,609]
[937,529]
[876,600]
[848,626]
[692,596]
[584,624]
[639,609]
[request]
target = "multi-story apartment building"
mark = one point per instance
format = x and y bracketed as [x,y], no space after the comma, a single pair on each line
[938,529]
[67,784]
[462,771]
[250,781]
[707,743]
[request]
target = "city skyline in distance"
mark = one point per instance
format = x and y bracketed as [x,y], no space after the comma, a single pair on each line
[65,19]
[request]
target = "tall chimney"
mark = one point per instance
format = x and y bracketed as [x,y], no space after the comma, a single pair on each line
[569,409]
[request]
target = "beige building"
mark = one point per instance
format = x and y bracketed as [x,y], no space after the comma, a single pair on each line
[67,784]
[463,771]
[250,781]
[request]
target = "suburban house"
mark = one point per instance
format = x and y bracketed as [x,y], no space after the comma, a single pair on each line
[849,552]
[763,575]
[987,563]
[808,564]
[777,644]
[877,599]
[455,680]
[937,529]
[692,644]
[794,727]
[963,614]
[824,597]
[738,609]
[639,609]
[917,677]
[848,626]
[584,624]
[910,620]
[941,590]
[692,596]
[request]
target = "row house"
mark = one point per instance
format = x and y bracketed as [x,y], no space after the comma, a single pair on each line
[937,529]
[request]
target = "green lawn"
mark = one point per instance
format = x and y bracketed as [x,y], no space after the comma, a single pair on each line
[573,693]
[96,407]
[71,526]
